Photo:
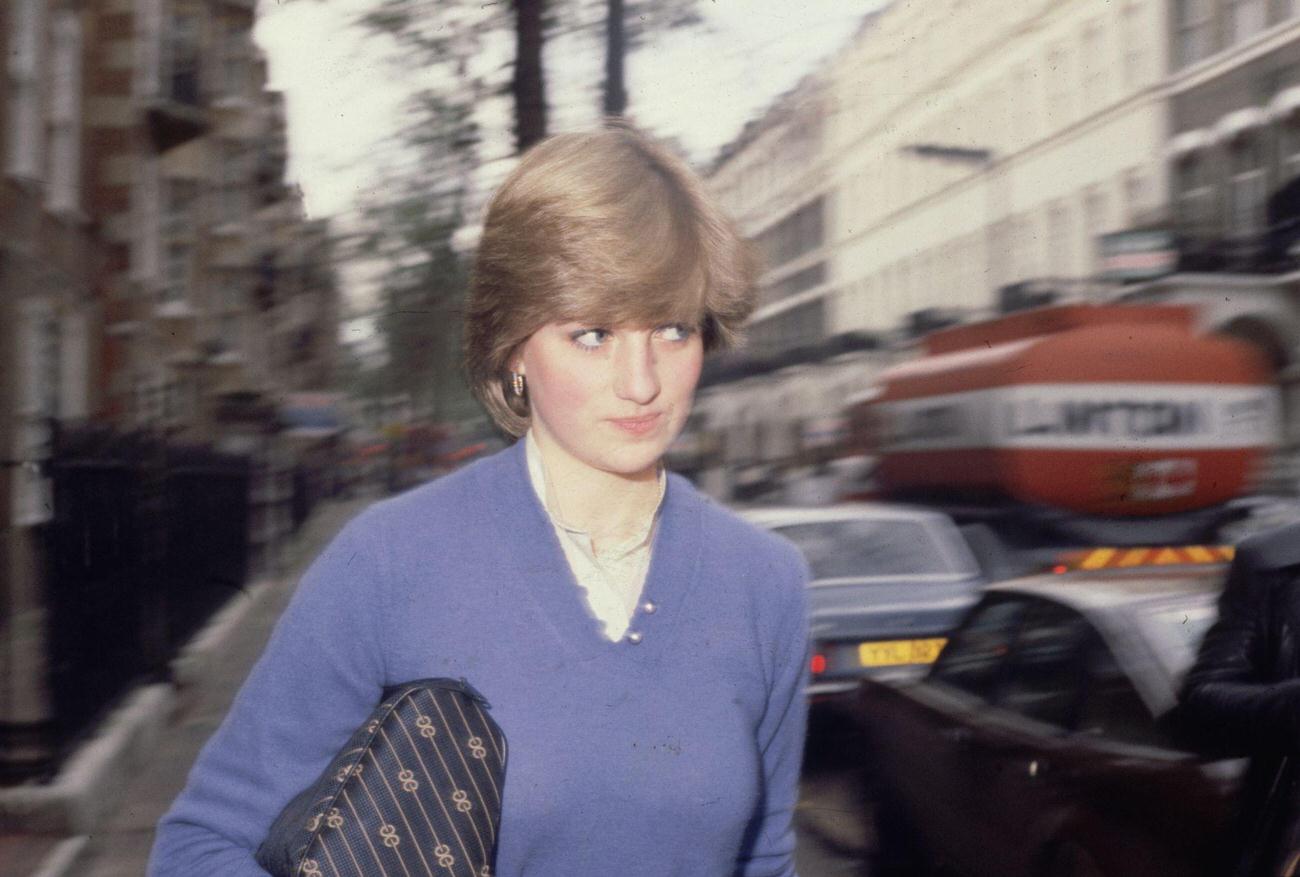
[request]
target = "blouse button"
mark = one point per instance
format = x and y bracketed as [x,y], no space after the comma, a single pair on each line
[634,637]
[649,608]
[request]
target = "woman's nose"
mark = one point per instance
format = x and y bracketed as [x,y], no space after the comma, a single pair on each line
[636,376]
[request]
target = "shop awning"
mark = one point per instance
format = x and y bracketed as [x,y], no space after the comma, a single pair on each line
[1285,102]
[1239,122]
[1189,142]
[312,415]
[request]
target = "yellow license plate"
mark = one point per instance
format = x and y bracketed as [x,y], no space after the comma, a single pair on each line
[891,653]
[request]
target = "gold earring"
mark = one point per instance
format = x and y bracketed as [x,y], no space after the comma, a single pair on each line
[517,383]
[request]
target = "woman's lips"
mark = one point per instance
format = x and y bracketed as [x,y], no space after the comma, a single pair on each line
[636,425]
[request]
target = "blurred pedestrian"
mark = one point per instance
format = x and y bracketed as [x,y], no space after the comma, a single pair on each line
[642,648]
[1242,698]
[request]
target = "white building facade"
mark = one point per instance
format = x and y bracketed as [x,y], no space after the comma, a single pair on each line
[947,151]
[1046,124]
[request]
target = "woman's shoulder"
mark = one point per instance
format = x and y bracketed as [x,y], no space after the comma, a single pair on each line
[482,477]
[739,541]
[428,510]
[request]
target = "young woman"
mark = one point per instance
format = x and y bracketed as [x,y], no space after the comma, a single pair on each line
[642,648]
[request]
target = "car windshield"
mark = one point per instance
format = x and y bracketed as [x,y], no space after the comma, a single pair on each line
[856,548]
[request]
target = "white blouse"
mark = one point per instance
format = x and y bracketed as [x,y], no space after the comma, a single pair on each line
[610,577]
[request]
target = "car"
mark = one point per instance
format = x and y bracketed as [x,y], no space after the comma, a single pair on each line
[1035,745]
[888,583]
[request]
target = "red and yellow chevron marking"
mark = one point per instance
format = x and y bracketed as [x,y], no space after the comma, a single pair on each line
[1125,558]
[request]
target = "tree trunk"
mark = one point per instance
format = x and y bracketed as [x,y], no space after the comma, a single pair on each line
[615,102]
[528,85]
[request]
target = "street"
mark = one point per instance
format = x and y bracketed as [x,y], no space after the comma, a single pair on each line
[830,827]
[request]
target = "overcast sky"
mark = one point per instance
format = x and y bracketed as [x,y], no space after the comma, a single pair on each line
[699,86]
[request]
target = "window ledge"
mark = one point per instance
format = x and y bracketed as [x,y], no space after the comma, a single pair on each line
[71,215]
[232,102]
[26,181]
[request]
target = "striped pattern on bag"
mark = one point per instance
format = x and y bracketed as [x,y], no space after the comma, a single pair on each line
[417,791]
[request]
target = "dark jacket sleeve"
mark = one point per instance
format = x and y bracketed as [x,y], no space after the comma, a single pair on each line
[1232,704]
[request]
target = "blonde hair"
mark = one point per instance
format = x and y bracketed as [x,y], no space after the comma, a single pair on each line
[606,227]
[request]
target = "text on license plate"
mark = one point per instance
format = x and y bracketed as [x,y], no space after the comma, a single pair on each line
[900,651]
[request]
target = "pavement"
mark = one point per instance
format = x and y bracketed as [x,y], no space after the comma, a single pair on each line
[208,675]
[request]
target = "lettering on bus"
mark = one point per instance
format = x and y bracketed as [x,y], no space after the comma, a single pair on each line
[928,423]
[1125,418]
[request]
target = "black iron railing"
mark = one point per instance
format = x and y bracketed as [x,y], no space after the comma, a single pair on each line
[148,539]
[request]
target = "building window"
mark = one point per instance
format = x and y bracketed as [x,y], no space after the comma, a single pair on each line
[1024,106]
[1195,195]
[1288,144]
[800,281]
[178,401]
[800,326]
[149,396]
[1059,261]
[1245,18]
[229,336]
[181,59]
[65,114]
[234,52]
[235,177]
[1247,187]
[1195,25]
[25,125]
[177,278]
[178,214]
[1095,223]
[1059,89]
[147,204]
[1135,45]
[971,278]
[1027,236]
[1135,194]
[801,232]
[236,294]
[1093,66]
[1000,252]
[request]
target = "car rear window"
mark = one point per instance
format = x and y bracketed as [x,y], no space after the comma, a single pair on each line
[852,548]
[1179,631]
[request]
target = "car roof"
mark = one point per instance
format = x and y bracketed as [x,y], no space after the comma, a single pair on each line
[1090,592]
[784,516]
[1120,604]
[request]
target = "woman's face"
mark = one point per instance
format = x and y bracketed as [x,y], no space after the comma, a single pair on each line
[613,399]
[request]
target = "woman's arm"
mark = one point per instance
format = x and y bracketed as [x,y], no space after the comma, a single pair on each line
[770,842]
[1231,703]
[321,674]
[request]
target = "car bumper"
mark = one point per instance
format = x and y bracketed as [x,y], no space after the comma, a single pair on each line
[827,689]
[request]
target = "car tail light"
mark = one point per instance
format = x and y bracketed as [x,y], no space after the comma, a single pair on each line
[818,664]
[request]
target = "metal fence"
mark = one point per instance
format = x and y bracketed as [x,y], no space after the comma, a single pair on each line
[148,539]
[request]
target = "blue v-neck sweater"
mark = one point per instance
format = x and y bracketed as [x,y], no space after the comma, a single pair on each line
[675,755]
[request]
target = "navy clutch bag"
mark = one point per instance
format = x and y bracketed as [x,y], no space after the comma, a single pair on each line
[416,791]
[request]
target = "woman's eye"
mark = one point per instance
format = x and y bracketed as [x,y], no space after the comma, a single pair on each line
[589,339]
[676,332]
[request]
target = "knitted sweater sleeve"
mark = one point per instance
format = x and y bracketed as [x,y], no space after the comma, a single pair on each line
[770,843]
[321,674]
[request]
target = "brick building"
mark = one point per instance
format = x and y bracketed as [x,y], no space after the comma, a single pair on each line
[157,273]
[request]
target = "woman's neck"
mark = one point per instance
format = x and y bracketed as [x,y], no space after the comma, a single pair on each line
[607,505]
